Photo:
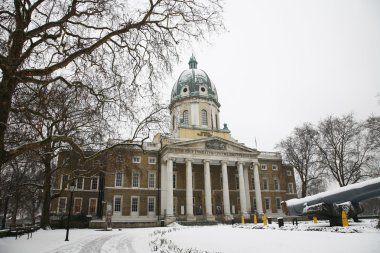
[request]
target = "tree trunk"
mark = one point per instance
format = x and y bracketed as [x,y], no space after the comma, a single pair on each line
[7,86]
[304,189]
[45,217]
[15,208]
[5,213]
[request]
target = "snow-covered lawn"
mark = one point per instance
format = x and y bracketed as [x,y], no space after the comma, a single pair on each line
[307,237]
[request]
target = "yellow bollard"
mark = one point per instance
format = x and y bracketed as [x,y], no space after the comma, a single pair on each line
[242,219]
[265,219]
[344,219]
[315,219]
[254,219]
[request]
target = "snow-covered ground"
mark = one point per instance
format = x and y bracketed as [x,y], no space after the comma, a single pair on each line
[307,237]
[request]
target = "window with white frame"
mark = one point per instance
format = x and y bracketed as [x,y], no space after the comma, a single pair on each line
[265,184]
[64,181]
[253,182]
[175,180]
[290,188]
[237,182]
[151,180]
[77,205]
[276,184]
[289,173]
[92,205]
[274,167]
[204,118]
[264,167]
[118,179]
[267,204]
[135,179]
[186,117]
[62,205]
[79,183]
[94,183]
[278,204]
[152,160]
[117,204]
[151,204]
[136,159]
[134,204]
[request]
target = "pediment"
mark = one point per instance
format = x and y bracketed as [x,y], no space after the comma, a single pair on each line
[214,144]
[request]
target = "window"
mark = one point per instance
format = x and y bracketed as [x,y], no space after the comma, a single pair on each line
[136,159]
[151,204]
[204,118]
[267,204]
[265,184]
[62,205]
[289,173]
[264,167]
[79,183]
[135,179]
[278,204]
[276,184]
[290,188]
[134,204]
[92,205]
[77,205]
[254,204]
[117,204]
[174,205]
[119,179]
[152,160]
[253,183]
[64,181]
[174,180]
[173,123]
[151,180]
[119,158]
[237,182]
[216,121]
[274,167]
[221,181]
[186,117]
[94,183]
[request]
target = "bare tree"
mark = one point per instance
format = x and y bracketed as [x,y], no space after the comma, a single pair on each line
[345,149]
[112,48]
[299,150]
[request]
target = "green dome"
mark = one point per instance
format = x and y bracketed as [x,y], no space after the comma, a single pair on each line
[194,82]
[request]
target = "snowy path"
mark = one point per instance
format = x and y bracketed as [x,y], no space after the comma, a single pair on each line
[117,242]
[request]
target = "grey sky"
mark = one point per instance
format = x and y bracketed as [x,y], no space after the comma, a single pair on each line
[283,63]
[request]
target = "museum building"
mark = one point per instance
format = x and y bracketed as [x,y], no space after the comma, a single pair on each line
[197,172]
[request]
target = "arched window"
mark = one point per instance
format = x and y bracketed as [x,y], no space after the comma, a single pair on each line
[204,118]
[185,117]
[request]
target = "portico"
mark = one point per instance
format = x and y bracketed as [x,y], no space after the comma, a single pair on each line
[223,156]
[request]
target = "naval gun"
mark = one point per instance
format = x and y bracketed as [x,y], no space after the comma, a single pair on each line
[330,204]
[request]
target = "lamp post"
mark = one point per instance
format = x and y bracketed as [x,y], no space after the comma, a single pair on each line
[72,188]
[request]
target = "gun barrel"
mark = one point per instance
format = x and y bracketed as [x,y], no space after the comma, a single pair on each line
[354,193]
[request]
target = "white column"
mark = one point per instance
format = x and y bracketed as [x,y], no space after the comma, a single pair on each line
[207,178]
[243,204]
[247,194]
[189,190]
[226,194]
[259,202]
[163,188]
[169,188]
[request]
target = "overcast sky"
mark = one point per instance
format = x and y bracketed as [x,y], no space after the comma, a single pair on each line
[283,63]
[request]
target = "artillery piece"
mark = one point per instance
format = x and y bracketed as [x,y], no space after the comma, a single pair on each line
[329,204]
